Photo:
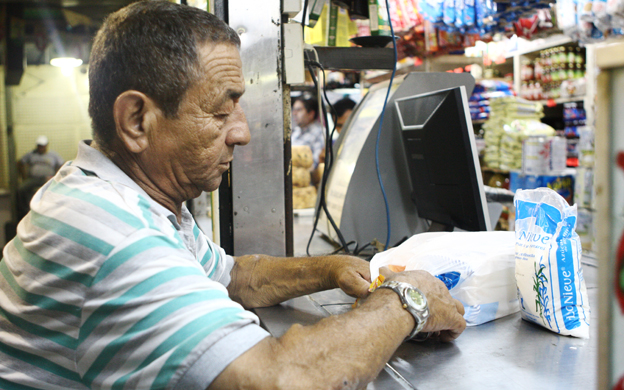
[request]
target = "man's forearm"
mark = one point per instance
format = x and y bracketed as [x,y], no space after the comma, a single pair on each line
[344,351]
[340,352]
[260,280]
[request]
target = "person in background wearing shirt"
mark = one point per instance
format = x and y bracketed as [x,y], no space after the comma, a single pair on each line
[110,284]
[35,168]
[308,129]
[343,107]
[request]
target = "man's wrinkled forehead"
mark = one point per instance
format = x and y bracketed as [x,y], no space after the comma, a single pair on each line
[220,73]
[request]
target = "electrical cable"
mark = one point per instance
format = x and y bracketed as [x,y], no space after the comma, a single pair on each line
[303,17]
[383,113]
[328,163]
[329,160]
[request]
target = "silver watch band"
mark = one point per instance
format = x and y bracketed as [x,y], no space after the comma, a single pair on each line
[420,315]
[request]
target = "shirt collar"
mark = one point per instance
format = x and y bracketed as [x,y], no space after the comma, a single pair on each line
[92,160]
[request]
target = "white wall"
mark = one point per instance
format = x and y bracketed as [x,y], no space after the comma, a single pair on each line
[48,102]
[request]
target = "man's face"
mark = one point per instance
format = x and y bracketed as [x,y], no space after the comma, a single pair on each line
[342,119]
[192,151]
[301,115]
[42,149]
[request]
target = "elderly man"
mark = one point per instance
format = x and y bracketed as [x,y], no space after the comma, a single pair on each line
[109,283]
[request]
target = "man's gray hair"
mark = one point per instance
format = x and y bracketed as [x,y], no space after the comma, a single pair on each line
[151,47]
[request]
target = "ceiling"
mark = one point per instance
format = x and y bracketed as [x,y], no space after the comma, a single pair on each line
[96,10]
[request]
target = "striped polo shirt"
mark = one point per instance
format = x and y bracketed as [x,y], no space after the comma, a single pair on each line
[103,289]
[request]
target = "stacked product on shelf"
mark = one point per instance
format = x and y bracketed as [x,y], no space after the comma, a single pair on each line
[507,154]
[304,194]
[484,91]
[574,119]
[558,72]
[465,16]
[515,137]
[590,21]
[543,161]
[543,165]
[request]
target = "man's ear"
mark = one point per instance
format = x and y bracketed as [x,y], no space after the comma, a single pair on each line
[135,116]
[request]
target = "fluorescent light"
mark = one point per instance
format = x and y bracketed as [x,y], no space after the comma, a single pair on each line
[66,62]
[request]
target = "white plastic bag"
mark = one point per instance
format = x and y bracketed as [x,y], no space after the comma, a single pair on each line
[549,275]
[477,267]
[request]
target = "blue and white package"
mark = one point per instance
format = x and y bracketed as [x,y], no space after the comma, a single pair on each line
[549,276]
[469,13]
[476,267]
[460,9]
[449,12]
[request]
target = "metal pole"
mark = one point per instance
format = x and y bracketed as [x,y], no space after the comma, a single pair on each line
[12,159]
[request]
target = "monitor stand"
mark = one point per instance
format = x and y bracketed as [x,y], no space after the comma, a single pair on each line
[439,227]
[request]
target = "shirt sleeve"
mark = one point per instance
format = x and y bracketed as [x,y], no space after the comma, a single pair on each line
[26,159]
[153,319]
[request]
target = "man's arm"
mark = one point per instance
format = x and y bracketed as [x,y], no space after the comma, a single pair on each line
[344,351]
[260,280]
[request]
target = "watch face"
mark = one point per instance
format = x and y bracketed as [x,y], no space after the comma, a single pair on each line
[417,298]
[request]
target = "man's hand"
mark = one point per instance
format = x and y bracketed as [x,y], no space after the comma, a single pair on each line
[446,314]
[260,280]
[351,274]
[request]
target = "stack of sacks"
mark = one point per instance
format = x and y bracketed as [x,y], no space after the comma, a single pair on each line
[513,135]
[304,194]
[503,112]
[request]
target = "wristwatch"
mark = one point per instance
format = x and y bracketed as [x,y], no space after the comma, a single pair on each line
[413,300]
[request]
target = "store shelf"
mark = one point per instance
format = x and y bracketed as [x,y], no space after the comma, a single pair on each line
[526,47]
[354,58]
[494,170]
[572,99]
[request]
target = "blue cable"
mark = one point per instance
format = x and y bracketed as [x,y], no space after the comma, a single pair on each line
[383,113]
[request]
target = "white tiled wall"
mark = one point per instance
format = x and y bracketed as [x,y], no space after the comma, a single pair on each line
[48,102]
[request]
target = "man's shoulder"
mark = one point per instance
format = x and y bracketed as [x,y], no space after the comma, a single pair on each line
[27,156]
[316,127]
[76,189]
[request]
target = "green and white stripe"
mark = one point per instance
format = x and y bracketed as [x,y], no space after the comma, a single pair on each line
[100,289]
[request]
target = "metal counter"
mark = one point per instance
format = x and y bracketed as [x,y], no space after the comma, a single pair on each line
[508,353]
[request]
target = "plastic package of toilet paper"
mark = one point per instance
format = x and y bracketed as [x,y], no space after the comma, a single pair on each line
[549,276]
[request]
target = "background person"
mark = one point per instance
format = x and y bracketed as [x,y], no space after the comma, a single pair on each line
[35,168]
[308,129]
[344,107]
[110,283]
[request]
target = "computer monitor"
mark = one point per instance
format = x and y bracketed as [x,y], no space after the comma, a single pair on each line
[442,160]
[353,195]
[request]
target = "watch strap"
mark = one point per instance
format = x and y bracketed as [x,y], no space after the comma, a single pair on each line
[420,317]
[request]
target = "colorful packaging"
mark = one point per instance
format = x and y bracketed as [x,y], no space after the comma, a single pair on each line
[542,155]
[378,18]
[563,183]
[549,275]
[449,12]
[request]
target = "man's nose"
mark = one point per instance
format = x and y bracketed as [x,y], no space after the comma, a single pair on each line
[238,134]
